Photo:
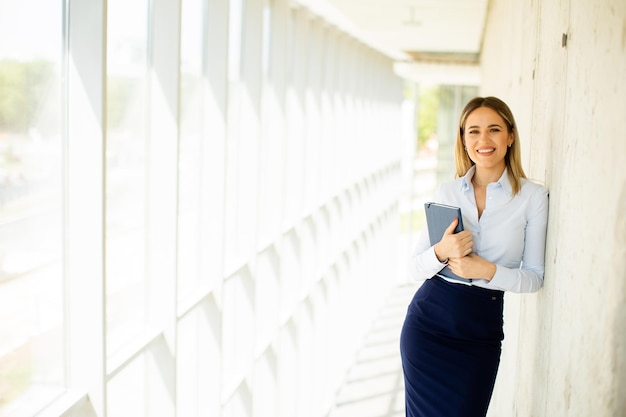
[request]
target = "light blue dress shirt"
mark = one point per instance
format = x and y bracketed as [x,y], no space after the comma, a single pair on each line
[511,233]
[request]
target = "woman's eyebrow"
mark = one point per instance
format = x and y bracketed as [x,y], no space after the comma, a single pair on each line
[491,125]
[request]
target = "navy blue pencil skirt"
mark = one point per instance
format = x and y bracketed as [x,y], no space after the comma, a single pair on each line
[450,346]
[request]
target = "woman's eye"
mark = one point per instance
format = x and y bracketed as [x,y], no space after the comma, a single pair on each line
[494,130]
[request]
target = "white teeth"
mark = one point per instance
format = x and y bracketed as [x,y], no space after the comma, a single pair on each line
[485,150]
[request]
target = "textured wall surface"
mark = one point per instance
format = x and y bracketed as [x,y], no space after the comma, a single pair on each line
[565,347]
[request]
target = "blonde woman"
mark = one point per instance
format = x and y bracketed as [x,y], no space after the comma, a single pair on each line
[452,335]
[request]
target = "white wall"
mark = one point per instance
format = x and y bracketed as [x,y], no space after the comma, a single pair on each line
[565,347]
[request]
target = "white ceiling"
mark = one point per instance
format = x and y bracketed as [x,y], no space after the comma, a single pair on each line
[422,35]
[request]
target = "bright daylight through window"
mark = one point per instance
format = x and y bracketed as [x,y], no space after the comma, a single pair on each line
[31,240]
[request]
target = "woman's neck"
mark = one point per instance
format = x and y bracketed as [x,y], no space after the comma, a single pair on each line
[483,177]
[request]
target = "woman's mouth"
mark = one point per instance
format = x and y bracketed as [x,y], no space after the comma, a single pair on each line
[485,150]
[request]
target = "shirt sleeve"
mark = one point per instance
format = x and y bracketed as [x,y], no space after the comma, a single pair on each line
[423,262]
[529,276]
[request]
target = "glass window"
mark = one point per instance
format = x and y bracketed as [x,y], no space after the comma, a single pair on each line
[233,251]
[240,405]
[190,146]
[235,34]
[238,327]
[132,379]
[143,387]
[31,227]
[198,361]
[127,64]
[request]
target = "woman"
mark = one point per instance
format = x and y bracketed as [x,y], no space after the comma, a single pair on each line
[452,334]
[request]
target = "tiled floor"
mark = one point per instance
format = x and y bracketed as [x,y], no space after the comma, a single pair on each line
[374,386]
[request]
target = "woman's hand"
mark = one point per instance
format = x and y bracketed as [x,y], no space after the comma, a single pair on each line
[453,245]
[472,266]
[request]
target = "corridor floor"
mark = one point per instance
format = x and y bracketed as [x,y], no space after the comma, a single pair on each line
[374,386]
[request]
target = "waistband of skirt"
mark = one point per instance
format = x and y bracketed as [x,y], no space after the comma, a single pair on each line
[468,289]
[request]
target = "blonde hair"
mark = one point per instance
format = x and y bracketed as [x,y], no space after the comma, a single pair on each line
[513,157]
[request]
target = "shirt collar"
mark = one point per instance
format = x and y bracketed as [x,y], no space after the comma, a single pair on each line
[503,182]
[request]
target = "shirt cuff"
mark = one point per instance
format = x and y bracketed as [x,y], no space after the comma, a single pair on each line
[503,278]
[434,261]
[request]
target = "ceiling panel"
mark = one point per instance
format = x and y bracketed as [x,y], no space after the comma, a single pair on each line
[411,30]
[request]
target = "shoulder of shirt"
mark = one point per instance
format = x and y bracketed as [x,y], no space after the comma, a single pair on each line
[531,187]
[451,186]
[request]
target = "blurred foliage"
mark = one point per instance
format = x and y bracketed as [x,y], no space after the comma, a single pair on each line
[428,99]
[22,84]
[120,91]
[428,107]
[412,221]
[15,374]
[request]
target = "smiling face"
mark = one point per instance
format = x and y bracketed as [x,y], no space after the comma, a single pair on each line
[487,138]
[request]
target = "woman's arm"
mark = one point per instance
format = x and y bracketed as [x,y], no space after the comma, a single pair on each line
[423,262]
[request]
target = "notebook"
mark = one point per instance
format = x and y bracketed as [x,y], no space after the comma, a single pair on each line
[438,218]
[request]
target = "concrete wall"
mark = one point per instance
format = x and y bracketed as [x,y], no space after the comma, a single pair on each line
[565,347]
